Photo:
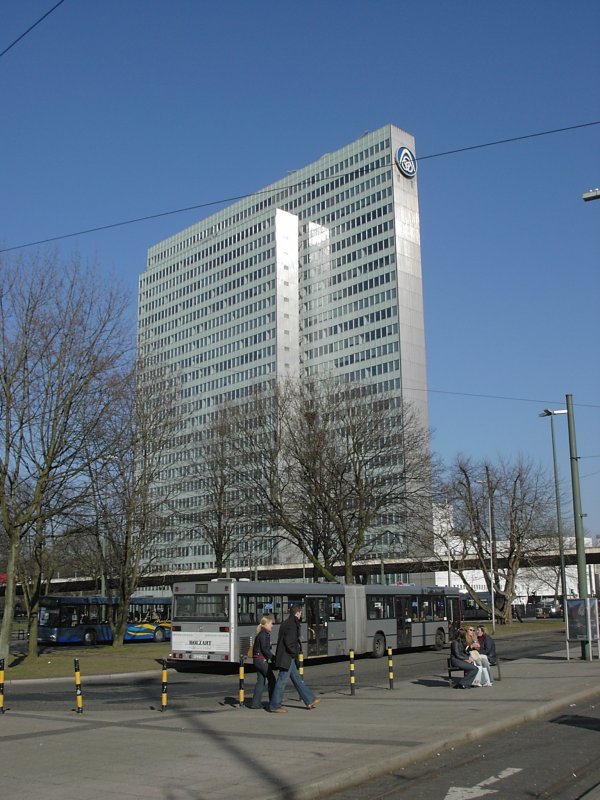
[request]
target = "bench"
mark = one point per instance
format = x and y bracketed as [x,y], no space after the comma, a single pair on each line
[452,669]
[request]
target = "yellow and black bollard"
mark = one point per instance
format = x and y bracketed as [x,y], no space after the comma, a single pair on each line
[78,695]
[2,709]
[163,696]
[242,696]
[301,664]
[352,681]
[390,668]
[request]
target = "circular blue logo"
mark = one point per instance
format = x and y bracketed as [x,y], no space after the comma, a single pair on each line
[406,162]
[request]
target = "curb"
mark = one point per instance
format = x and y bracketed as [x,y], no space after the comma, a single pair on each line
[313,790]
[87,678]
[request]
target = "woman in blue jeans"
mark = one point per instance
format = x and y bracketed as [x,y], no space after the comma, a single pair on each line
[262,656]
[288,649]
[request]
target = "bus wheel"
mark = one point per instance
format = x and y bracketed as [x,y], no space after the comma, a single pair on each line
[159,635]
[89,637]
[440,639]
[378,645]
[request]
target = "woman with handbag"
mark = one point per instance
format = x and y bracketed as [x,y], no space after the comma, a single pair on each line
[262,655]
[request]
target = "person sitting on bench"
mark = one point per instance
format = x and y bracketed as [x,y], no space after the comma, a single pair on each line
[487,646]
[460,659]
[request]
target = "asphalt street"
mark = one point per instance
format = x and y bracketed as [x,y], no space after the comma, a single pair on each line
[555,758]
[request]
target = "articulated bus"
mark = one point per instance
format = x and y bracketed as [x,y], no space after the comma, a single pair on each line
[216,620]
[69,619]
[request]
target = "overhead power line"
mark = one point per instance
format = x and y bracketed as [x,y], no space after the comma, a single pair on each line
[234,199]
[501,397]
[507,141]
[31,27]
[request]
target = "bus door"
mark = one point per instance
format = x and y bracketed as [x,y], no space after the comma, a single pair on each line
[404,621]
[316,624]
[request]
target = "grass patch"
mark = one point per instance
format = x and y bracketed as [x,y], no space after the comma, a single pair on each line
[98,660]
[143,656]
[517,628]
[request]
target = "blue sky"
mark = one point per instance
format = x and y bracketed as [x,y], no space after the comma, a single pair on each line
[117,109]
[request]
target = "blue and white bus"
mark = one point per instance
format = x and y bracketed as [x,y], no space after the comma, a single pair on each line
[69,619]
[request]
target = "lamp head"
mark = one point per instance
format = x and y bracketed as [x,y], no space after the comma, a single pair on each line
[549,413]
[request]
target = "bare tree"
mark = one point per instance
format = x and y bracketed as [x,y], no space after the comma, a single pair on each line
[497,515]
[61,337]
[327,462]
[220,517]
[130,496]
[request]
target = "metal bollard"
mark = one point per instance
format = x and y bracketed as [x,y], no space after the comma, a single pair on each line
[163,697]
[2,709]
[390,668]
[352,682]
[78,695]
[241,698]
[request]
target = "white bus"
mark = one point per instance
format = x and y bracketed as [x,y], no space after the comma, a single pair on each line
[216,620]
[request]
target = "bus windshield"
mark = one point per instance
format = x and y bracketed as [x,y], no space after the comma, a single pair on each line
[202,607]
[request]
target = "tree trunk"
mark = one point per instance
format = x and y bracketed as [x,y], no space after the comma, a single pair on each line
[32,648]
[9,597]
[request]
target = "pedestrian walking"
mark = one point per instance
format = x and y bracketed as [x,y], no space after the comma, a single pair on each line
[262,656]
[288,649]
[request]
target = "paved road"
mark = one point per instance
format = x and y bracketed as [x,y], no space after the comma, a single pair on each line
[203,747]
[555,758]
[196,690]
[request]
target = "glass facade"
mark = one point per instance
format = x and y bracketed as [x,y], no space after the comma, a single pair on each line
[317,274]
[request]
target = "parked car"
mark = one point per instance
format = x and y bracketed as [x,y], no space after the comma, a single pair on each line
[548,609]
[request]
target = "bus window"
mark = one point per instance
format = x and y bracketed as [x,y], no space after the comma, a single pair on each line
[49,617]
[426,612]
[388,607]
[202,607]
[267,605]
[374,607]
[414,609]
[69,617]
[247,609]
[439,608]
[336,608]
[289,600]
[380,607]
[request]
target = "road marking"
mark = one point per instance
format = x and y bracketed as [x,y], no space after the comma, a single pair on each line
[479,790]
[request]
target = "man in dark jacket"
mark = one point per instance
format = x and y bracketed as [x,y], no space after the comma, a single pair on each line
[288,649]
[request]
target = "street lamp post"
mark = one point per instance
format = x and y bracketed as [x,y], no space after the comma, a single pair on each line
[489,515]
[489,499]
[577,513]
[563,579]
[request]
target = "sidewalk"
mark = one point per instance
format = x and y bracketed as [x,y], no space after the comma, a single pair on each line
[220,752]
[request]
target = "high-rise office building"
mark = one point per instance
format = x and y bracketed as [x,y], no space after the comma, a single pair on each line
[317,274]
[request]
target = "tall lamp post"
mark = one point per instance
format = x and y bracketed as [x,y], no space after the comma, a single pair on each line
[563,580]
[489,516]
[577,513]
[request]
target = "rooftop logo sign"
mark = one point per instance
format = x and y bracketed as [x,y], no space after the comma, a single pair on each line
[406,162]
